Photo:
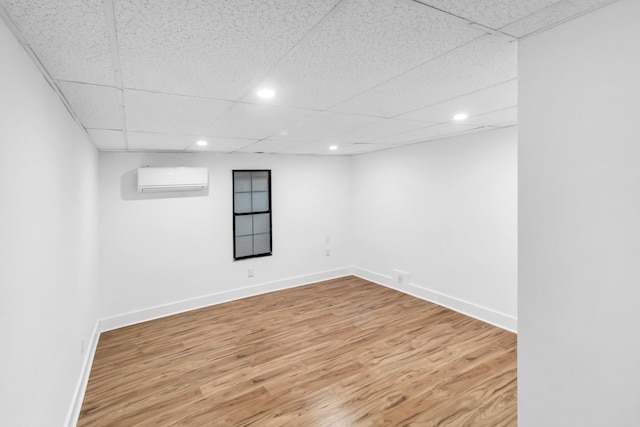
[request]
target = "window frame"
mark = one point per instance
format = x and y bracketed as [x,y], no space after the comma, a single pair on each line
[234,214]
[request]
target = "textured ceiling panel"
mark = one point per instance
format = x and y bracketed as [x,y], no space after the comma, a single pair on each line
[223,145]
[309,148]
[157,112]
[215,49]
[490,99]
[491,13]
[108,139]
[499,117]
[382,129]
[360,148]
[158,141]
[427,133]
[257,121]
[364,43]
[322,148]
[97,107]
[484,62]
[268,146]
[69,37]
[324,125]
[553,14]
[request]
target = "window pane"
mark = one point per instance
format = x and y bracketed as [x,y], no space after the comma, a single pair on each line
[242,181]
[242,202]
[244,225]
[262,243]
[260,201]
[261,223]
[260,181]
[252,232]
[244,246]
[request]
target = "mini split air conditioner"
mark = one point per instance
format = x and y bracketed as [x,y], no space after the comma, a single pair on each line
[172,179]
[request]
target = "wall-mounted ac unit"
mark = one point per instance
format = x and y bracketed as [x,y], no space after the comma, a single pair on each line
[172,179]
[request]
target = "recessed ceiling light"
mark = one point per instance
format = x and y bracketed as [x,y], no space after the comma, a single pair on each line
[460,116]
[201,143]
[266,93]
[333,147]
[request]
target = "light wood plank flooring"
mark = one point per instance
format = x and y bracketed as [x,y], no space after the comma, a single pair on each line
[344,352]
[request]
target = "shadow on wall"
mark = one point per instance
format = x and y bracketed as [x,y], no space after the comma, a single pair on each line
[129,190]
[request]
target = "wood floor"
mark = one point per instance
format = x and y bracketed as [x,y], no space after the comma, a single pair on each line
[345,352]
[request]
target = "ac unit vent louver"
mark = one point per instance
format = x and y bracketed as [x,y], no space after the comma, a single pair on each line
[172,179]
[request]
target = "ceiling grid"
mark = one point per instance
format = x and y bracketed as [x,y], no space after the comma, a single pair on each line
[364,75]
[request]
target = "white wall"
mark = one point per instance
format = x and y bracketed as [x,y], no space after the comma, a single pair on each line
[48,249]
[159,249]
[579,223]
[445,212]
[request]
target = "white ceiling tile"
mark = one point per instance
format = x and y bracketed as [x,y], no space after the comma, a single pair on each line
[491,13]
[269,146]
[158,141]
[108,139]
[69,37]
[492,98]
[306,147]
[97,107]
[322,148]
[427,133]
[484,62]
[364,43]
[257,121]
[158,112]
[382,129]
[506,124]
[205,48]
[323,126]
[348,149]
[551,15]
[223,145]
[506,115]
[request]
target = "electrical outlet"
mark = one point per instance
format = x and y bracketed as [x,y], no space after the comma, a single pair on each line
[250,272]
[401,277]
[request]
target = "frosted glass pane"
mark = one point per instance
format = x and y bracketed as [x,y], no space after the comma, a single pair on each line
[244,246]
[261,244]
[242,202]
[244,225]
[260,181]
[242,181]
[260,201]
[261,223]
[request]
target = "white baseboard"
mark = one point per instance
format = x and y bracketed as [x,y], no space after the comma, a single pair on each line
[484,314]
[151,313]
[78,395]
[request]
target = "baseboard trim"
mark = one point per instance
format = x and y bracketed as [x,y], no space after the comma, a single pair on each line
[78,395]
[467,308]
[157,312]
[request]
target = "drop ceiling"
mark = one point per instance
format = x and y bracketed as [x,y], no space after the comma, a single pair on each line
[365,75]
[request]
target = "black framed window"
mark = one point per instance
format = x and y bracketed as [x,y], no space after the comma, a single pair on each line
[251,213]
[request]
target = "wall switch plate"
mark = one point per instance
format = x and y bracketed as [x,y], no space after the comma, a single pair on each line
[327,252]
[250,272]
